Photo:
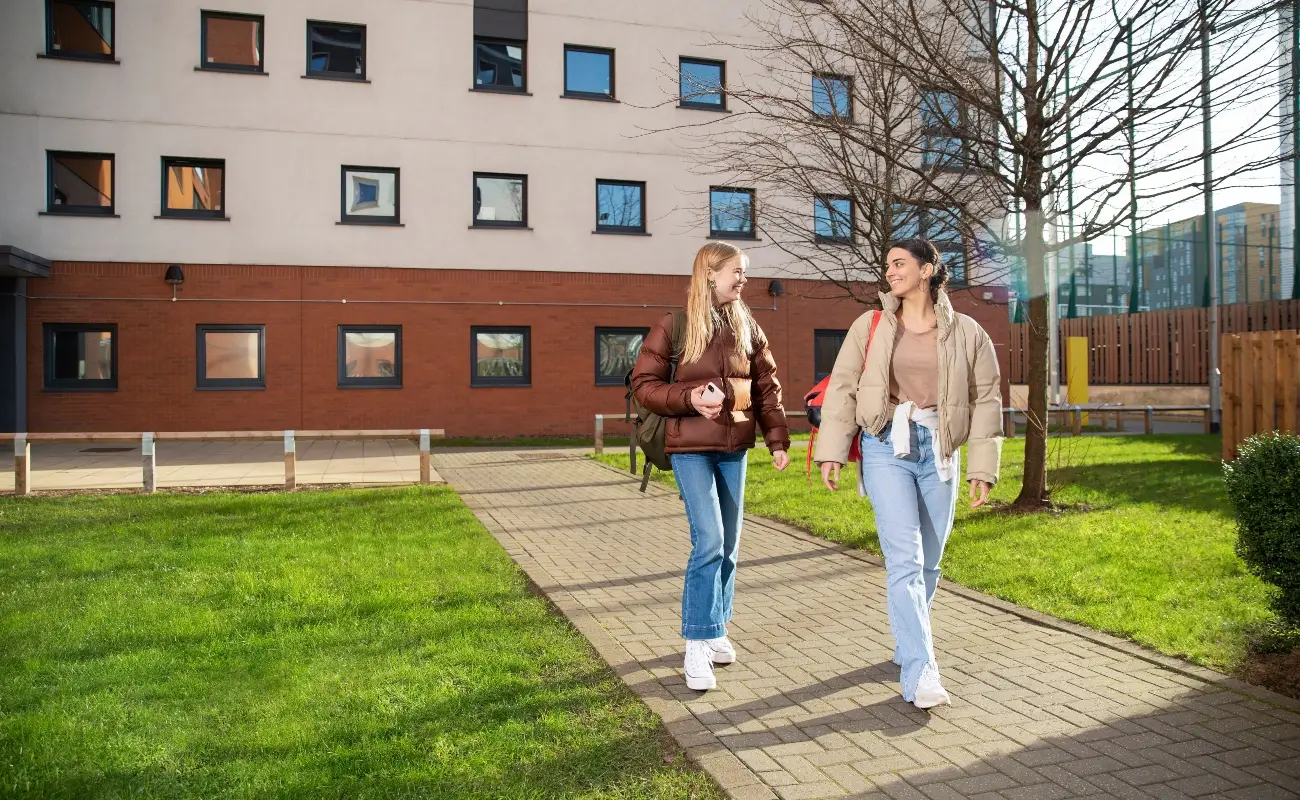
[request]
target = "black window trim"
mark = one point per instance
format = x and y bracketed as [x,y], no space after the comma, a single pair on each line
[847,80]
[346,382]
[722,88]
[503,381]
[84,211]
[204,383]
[817,332]
[192,213]
[360,219]
[604,51]
[753,214]
[924,212]
[216,66]
[493,223]
[612,380]
[826,198]
[944,132]
[338,76]
[50,52]
[522,44]
[51,384]
[641,228]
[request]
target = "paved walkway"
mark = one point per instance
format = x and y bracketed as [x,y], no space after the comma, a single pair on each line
[1043,709]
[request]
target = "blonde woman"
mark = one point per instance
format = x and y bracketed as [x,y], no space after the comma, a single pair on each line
[709,434]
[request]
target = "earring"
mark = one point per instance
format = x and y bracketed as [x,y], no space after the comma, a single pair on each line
[712,285]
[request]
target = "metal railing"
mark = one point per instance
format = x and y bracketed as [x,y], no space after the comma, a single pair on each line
[148,447]
[1074,413]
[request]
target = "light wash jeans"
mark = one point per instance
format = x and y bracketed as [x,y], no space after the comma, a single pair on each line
[713,488]
[914,513]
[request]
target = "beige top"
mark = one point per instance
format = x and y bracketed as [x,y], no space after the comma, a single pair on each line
[914,370]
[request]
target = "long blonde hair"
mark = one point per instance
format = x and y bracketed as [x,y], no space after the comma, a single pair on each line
[704,321]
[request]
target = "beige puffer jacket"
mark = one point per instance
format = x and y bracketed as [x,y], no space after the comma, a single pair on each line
[970,390]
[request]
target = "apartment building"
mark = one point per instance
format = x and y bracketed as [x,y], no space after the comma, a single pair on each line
[320,214]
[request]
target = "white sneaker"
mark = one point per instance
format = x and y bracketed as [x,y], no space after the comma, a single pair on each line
[929,692]
[721,650]
[699,666]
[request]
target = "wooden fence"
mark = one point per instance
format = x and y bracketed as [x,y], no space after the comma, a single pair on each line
[1261,385]
[1155,347]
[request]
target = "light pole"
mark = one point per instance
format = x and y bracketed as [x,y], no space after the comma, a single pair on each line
[1212,264]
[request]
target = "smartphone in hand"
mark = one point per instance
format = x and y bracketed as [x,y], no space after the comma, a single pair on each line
[712,394]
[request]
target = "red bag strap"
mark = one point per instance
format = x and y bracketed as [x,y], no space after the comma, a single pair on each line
[871,334]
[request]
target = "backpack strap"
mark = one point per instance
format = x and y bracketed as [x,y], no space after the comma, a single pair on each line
[678,344]
[871,334]
[645,476]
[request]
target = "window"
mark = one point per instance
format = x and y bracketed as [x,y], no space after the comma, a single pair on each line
[336,51]
[588,72]
[941,146]
[831,96]
[943,227]
[370,196]
[499,65]
[499,357]
[500,201]
[620,207]
[79,29]
[231,357]
[80,357]
[832,218]
[616,352]
[731,213]
[193,188]
[703,84]
[370,355]
[79,183]
[231,42]
[826,347]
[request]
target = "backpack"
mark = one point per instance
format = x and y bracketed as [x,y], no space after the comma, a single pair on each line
[651,428]
[812,402]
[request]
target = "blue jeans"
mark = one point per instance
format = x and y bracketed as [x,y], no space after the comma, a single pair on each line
[713,488]
[914,512]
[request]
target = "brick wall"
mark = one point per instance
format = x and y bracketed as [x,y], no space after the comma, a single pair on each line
[302,307]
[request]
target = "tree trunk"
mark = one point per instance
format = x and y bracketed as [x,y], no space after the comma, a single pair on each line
[1033,492]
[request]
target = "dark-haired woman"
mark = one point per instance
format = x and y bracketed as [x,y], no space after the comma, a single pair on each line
[928,385]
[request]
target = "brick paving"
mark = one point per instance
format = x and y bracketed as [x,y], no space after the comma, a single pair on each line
[1042,708]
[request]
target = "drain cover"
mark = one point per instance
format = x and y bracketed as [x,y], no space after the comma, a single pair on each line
[109,450]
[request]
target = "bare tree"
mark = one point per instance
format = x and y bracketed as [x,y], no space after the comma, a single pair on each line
[985,110]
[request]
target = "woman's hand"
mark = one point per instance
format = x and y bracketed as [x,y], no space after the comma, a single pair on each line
[981,489]
[706,409]
[780,460]
[828,467]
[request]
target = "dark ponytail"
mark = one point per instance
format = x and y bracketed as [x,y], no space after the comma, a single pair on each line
[924,251]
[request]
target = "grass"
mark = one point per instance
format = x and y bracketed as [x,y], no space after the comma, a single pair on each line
[359,644]
[1152,560]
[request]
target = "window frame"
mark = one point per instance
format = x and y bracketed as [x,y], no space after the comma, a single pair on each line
[639,228]
[944,162]
[495,223]
[80,211]
[847,80]
[580,95]
[818,333]
[50,52]
[924,215]
[753,214]
[696,105]
[52,384]
[192,213]
[852,220]
[522,88]
[500,381]
[609,380]
[346,382]
[204,383]
[339,76]
[216,66]
[360,219]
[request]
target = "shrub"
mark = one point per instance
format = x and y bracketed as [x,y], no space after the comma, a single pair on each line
[1264,489]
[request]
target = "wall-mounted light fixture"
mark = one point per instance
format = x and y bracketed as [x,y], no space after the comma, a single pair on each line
[175,277]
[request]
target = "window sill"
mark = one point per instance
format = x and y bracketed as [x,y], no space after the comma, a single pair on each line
[490,90]
[88,59]
[192,219]
[77,389]
[231,70]
[500,385]
[249,388]
[620,233]
[369,386]
[77,214]
[338,79]
[701,107]
[737,238]
[371,224]
[598,98]
[499,228]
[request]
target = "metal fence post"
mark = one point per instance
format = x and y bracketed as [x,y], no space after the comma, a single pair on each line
[425,469]
[150,464]
[1009,423]
[600,434]
[22,465]
[1147,414]
[290,462]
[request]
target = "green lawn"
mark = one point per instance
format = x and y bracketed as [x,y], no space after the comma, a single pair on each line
[360,644]
[1152,561]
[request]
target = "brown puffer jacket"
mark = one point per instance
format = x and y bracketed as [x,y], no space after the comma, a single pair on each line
[757,395]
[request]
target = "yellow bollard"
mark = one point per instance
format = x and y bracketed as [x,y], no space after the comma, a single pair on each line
[1076,372]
